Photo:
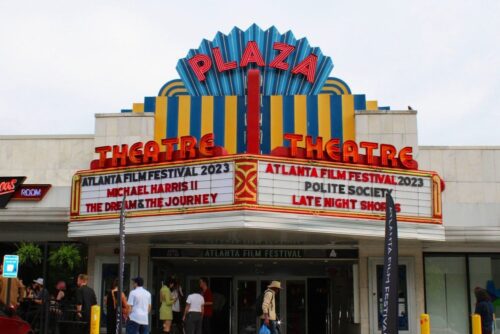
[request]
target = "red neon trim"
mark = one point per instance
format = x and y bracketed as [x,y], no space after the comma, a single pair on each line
[253,112]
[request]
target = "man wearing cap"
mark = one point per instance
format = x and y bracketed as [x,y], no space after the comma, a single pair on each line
[269,306]
[41,296]
[139,305]
[41,293]
[85,299]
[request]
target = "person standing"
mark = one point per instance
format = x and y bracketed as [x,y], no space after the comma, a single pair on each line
[193,313]
[16,290]
[139,304]
[85,299]
[485,309]
[269,316]
[167,301]
[207,306]
[111,300]
[177,295]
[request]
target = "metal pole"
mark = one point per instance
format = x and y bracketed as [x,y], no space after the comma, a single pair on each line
[45,298]
[9,282]
[121,268]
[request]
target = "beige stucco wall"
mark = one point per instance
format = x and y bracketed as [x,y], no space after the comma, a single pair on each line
[396,127]
[471,200]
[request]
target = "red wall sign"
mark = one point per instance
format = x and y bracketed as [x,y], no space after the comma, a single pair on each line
[31,192]
[8,186]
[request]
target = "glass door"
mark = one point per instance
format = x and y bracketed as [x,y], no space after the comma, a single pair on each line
[106,271]
[296,311]
[406,296]
[246,298]
[318,305]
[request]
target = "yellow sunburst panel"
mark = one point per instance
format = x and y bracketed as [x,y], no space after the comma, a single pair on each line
[335,86]
[173,88]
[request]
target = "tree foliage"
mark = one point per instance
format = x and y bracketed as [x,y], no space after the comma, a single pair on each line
[66,256]
[29,252]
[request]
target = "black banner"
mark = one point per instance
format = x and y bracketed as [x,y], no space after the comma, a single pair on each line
[8,186]
[254,253]
[390,274]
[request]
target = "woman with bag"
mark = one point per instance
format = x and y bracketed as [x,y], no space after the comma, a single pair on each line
[167,301]
[111,301]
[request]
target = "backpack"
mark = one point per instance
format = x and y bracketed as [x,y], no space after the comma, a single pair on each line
[258,303]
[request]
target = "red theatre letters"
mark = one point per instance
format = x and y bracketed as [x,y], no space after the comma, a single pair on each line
[202,63]
[348,152]
[152,152]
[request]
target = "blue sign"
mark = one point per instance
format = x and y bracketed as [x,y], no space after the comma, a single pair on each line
[10,266]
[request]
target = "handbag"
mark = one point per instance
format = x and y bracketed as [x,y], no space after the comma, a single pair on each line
[264,329]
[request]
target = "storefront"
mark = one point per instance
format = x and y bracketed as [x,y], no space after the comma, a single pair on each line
[257,165]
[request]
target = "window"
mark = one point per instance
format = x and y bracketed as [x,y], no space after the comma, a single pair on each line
[446,294]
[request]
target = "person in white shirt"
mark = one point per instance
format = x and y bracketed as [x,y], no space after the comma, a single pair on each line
[193,313]
[139,304]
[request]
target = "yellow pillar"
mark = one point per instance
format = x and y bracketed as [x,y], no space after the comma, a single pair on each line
[95,319]
[425,324]
[476,324]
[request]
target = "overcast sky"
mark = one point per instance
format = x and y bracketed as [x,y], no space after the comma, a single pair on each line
[63,61]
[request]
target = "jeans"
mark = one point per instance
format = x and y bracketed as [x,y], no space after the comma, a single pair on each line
[135,328]
[193,323]
[207,325]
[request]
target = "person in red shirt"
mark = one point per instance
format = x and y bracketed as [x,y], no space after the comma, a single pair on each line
[208,306]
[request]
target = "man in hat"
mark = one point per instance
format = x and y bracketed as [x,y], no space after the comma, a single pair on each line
[139,305]
[85,299]
[269,306]
[42,294]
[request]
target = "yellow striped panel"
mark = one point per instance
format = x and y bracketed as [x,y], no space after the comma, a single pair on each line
[276,121]
[160,119]
[300,116]
[371,105]
[341,85]
[138,107]
[231,125]
[207,114]
[184,115]
[348,117]
[324,116]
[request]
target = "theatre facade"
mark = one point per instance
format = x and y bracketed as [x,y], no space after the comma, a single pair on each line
[256,165]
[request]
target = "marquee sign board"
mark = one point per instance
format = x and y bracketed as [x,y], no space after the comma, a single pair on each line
[258,183]
[343,190]
[157,189]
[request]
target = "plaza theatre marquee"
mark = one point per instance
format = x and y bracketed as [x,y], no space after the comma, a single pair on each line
[255,135]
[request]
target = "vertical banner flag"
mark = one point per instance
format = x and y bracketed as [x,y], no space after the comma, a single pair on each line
[391,271]
[121,269]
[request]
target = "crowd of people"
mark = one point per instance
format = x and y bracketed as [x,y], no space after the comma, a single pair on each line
[178,313]
[42,308]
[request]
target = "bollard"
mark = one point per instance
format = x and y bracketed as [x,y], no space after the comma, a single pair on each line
[95,319]
[425,324]
[476,324]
